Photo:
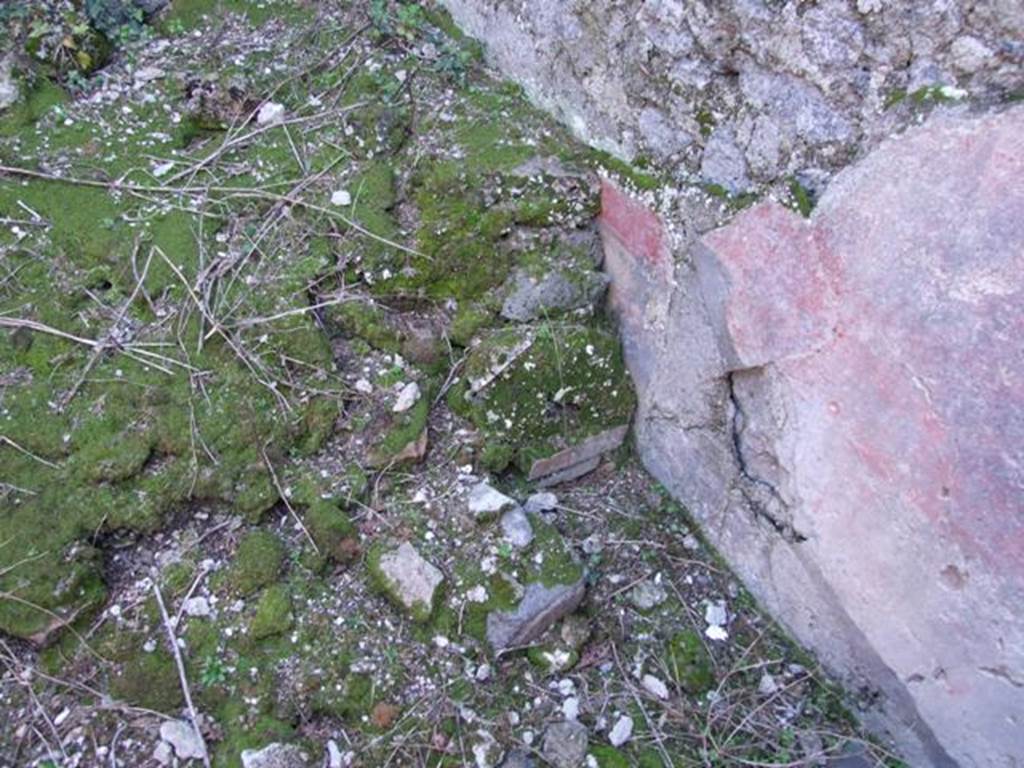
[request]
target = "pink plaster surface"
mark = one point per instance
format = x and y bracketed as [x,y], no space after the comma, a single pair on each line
[888,330]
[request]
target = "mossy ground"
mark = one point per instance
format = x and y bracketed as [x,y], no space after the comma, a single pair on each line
[569,383]
[198,387]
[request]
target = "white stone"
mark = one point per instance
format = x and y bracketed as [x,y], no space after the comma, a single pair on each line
[163,753]
[341,197]
[408,396]
[415,581]
[484,500]
[486,750]
[197,607]
[715,632]
[715,613]
[334,756]
[477,594]
[621,731]
[571,708]
[654,686]
[270,113]
[767,685]
[9,91]
[183,737]
[970,54]
[647,595]
[483,673]
[363,386]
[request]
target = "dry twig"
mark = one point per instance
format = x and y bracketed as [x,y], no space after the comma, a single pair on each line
[182,678]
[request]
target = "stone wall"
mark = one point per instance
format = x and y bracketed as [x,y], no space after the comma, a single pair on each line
[747,92]
[838,400]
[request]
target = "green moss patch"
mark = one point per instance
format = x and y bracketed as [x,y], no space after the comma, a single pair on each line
[366,321]
[689,663]
[147,678]
[273,613]
[537,392]
[332,530]
[257,563]
[608,757]
[397,437]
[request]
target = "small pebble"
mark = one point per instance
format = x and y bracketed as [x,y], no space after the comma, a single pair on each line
[571,708]
[654,686]
[621,731]
[541,502]
[408,396]
[270,113]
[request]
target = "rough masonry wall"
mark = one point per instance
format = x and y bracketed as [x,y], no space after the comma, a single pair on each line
[837,400]
[747,92]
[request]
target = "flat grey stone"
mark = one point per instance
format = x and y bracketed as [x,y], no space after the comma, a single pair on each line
[183,737]
[275,756]
[647,595]
[545,501]
[565,745]
[579,459]
[723,162]
[540,608]
[518,758]
[530,297]
[515,526]
[485,501]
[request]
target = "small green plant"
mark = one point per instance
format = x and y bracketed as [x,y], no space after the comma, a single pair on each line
[929,94]
[13,12]
[706,121]
[454,63]
[802,200]
[411,20]
[76,81]
[407,22]
[111,16]
[379,17]
[175,28]
[214,672]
